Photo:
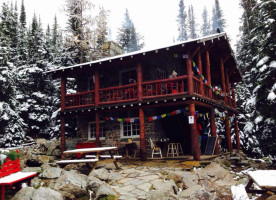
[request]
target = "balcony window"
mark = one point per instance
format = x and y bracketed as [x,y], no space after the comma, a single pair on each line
[92,130]
[130,130]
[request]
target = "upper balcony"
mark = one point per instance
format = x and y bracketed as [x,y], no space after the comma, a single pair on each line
[152,90]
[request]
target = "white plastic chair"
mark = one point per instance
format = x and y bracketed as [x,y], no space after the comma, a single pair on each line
[155,150]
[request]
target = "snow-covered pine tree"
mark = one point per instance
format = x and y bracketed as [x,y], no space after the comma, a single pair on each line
[181,22]
[205,27]
[127,37]
[101,30]
[192,23]
[217,18]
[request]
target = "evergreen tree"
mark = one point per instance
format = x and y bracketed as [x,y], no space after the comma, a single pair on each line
[128,38]
[192,23]
[205,28]
[181,20]
[217,18]
[22,17]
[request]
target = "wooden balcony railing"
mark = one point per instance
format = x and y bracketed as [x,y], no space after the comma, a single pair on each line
[151,89]
[165,87]
[118,94]
[80,99]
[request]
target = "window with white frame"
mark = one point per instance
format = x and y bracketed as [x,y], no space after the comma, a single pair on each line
[92,130]
[130,130]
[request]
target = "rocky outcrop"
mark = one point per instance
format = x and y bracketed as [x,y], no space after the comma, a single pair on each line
[42,193]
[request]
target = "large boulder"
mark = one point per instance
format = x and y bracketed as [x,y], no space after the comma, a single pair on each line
[162,185]
[101,174]
[25,193]
[42,193]
[34,160]
[71,182]
[161,195]
[187,178]
[53,172]
[104,191]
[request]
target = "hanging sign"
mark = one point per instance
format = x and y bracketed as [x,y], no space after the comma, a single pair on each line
[191,120]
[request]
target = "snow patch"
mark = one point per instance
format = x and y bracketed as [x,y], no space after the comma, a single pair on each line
[263,61]
[258,119]
[271,96]
[272,64]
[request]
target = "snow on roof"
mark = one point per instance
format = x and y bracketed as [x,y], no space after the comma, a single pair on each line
[198,40]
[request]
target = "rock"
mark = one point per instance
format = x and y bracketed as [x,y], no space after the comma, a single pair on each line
[44,193]
[273,197]
[114,176]
[25,193]
[160,195]
[56,152]
[212,172]
[111,166]
[41,141]
[164,186]
[189,191]
[38,160]
[94,183]
[104,191]
[71,182]
[32,169]
[189,179]
[51,147]
[101,174]
[36,182]
[53,172]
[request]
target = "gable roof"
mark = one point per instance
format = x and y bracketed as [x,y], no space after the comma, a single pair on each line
[196,42]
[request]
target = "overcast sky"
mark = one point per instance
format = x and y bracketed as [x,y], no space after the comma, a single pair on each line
[153,19]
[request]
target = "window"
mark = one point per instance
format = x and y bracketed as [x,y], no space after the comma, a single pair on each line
[92,130]
[130,130]
[128,76]
[91,82]
[160,74]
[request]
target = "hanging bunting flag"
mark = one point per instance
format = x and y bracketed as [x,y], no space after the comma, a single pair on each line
[163,116]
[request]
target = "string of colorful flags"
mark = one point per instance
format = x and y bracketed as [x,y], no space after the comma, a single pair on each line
[185,110]
[217,92]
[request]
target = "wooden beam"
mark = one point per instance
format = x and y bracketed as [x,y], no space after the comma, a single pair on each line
[222,74]
[226,58]
[97,119]
[194,136]
[139,82]
[208,47]
[237,133]
[228,134]
[62,134]
[201,91]
[195,52]
[97,87]
[189,75]
[142,135]
[214,129]
[208,72]
[63,92]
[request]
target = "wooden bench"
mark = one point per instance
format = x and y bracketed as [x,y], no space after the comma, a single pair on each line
[77,161]
[239,193]
[10,174]
[104,156]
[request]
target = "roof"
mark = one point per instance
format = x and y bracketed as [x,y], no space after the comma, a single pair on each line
[145,51]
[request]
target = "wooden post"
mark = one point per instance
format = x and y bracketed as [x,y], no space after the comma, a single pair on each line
[63,92]
[222,78]
[97,119]
[237,133]
[62,134]
[228,134]
[189,75]
[194,137]
[213,129]
[201,90]
[208,72]
[142,135]
[227,87]
[139,82]
[233,95]
[97,87]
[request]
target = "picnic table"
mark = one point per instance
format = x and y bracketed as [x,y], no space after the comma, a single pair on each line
[97,150]
[264,179]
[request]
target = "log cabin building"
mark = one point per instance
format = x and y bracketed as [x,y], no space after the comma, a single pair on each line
[152,93]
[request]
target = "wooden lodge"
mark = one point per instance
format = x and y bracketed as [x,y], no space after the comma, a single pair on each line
[152,93]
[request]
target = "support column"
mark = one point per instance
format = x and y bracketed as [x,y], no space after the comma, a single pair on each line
[194,137]
[222,78]
[189,75]
[228,134]
[139,82]
[62,92]
[97,119]
[208,72]
[233,95]
[143,151]
[214,129]
[227,88]
[237,133]
[201,90]
[62,134]
[97,87]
